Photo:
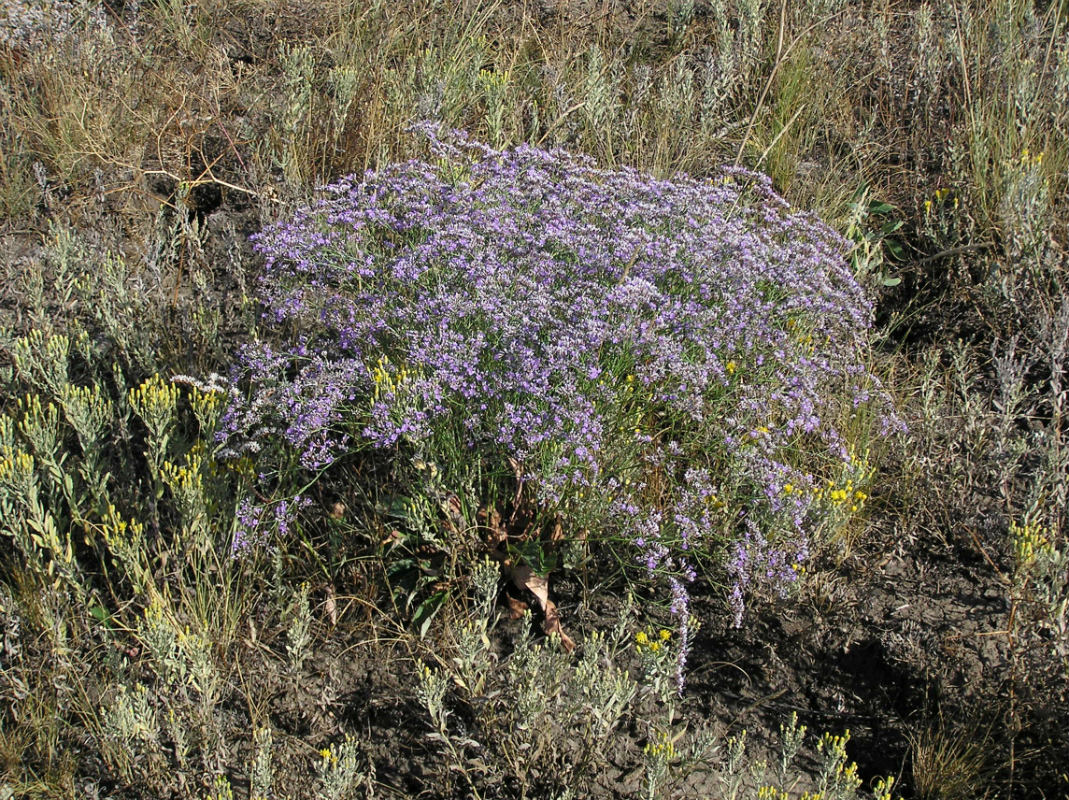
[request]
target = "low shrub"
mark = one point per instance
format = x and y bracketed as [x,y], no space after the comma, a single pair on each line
[670,371]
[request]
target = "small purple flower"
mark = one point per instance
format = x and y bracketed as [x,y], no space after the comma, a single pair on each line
[698,338]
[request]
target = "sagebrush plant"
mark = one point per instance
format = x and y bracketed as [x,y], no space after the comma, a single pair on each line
[542,719]
[670,366]
[113,517]
[79,534]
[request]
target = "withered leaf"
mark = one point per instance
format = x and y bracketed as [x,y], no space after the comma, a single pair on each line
[525,578]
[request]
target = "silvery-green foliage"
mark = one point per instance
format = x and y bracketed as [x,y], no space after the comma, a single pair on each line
[298,63]
[433,685]
[42,360]
[261,772]
[485,580]
[640,79]
[131,716]
[345,80]
[62,25]
[717,70]
[338,771]
[676,93]
[680,15]
[298,619]
[599,91]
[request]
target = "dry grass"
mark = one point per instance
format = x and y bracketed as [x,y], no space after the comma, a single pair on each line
[139,144]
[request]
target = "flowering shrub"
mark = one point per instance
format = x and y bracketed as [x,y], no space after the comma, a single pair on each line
[670,363]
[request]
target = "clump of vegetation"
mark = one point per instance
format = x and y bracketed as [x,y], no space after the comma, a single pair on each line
[678,367]
[314,618]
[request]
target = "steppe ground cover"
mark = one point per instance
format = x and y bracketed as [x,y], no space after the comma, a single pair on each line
[264,526]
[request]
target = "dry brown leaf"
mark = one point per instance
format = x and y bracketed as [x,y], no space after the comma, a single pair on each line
[517,469]
[552,625]
[331,606]
[454,513]
[498,534]
[525,578]
[516,607]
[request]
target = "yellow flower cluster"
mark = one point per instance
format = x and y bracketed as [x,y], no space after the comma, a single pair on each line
[16,469]
[328,757]
[155,401]
[771,793]
[119,533]
[154,396]
[662,748]
[759,432]
[652,643]
[45,358]
[941,197]
[836,745]
[882,789]
[387,381]
[187,478]
[846,495]
[493,80]
[7,433]
[1029,159]
[243,466]
[37,418]
[833,748]
[206,405]
[86,407]
[1029,541]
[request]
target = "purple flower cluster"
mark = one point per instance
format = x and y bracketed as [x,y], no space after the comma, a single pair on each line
[599,327]
[257,524]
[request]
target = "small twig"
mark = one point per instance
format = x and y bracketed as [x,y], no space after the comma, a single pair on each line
[768,698]
[233,146]
[1002,576]
[768,83]
[558,121]
[953,251]
[202,181]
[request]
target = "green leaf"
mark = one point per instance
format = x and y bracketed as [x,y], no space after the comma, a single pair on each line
[399,508]
[537,557]
[100,614]
[427,610]
[401,565]
[895,248]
